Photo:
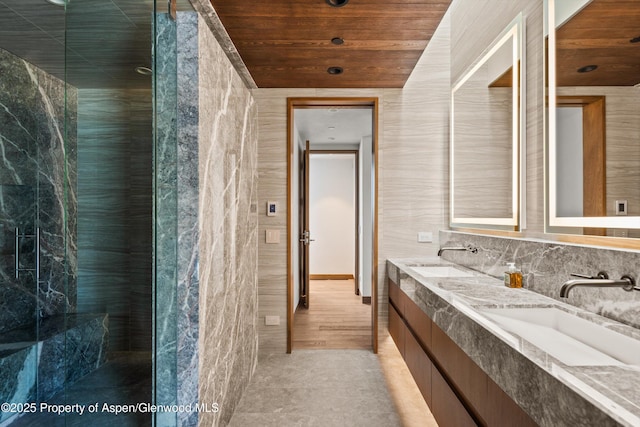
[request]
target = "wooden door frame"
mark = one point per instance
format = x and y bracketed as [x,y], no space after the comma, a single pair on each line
[340,102]
[594,140]
[356,154]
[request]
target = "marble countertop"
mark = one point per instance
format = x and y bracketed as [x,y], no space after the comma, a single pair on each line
[552,392]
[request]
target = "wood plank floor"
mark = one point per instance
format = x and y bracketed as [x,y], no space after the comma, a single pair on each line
[336,319]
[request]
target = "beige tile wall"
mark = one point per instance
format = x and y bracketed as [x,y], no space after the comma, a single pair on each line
[412,176]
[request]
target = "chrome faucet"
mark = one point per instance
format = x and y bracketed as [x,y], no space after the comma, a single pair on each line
[467,248]
[601,280]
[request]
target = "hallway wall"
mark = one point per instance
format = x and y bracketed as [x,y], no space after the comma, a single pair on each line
[332,214]
[412,177]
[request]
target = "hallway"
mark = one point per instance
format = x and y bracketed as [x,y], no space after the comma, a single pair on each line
[333,388]
[336,319]
[332,378]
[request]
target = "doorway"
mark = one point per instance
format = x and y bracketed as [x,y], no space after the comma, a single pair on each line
[312,125]
[581,158]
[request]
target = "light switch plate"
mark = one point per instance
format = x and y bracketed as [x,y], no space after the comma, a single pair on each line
[272,320]
[273,236]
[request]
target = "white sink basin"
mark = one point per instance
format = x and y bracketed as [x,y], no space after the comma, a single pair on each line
[569,338]
[441,271]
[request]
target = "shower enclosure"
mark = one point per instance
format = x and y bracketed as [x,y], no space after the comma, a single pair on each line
[76,209]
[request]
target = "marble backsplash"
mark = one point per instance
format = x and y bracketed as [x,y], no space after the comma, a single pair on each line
[547,265]
[38,125]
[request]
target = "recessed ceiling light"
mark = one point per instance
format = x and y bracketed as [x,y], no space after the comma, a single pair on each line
[337,40]
[332,127]
[333,110]
[335,70]
[635,40]
[337,3]
[587,68]
[57,2]
[145,71]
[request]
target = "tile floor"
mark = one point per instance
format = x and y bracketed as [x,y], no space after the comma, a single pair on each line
[333,388]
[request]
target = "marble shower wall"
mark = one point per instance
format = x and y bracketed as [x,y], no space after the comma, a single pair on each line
[36,139]
[547,265]
[209,281]
[228,150]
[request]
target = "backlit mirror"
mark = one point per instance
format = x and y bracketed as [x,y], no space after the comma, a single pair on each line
[486,135]
[593,117]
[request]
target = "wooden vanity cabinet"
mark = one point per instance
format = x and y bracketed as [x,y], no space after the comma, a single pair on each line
[456,389]
[397,329]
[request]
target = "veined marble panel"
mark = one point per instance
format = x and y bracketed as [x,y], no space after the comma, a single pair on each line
[228,223]
[38,124]
[166,219]
[547,265]
[207,195]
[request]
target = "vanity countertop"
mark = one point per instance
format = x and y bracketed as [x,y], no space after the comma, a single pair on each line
[552,392]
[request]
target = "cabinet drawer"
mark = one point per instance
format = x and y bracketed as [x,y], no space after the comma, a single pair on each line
[445,406]
[470,380]
[397,297]
[418,321]
[502,411]
[397,329]
[419,365]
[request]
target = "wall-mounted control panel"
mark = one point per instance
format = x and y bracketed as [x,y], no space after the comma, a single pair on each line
[272,208]
[621,207]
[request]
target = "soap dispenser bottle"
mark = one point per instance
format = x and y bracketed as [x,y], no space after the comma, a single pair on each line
[513,276]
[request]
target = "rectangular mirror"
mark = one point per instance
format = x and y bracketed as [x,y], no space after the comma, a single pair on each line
[486,136]
[593,117]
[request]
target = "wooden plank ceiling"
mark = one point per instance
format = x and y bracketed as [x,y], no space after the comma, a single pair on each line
[287,43]
[600,34]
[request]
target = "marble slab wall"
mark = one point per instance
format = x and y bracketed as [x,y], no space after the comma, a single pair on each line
[165,226]
[34,367]
[228,172]
[38,122]
[547,265]
[206,224]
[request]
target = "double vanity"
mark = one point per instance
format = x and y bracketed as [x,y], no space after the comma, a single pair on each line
[485,354]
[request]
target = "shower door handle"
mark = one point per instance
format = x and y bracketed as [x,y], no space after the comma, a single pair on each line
[37,249]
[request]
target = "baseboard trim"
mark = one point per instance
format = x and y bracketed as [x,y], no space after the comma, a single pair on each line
[366,300]
[331,277]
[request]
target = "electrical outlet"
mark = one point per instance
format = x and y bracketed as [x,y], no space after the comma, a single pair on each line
[425,237]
